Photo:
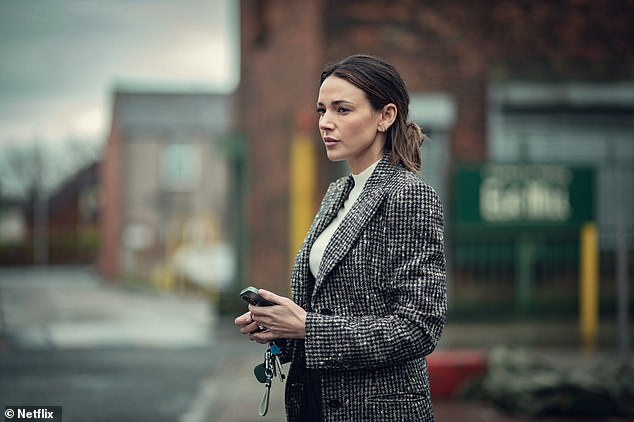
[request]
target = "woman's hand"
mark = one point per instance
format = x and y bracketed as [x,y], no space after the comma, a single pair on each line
[284,320]
[246,323]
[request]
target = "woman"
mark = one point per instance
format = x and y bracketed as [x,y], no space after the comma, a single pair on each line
[368,284]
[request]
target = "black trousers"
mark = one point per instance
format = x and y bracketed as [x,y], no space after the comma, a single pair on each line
[312,402]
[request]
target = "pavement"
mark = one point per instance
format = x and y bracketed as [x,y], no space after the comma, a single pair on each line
[72,308]
[65,308]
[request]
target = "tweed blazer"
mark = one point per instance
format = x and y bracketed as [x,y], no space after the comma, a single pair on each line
[378,304]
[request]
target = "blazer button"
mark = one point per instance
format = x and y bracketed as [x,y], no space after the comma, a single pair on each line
[334,404]
[325,311]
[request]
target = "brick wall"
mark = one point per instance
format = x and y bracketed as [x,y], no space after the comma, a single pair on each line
[110,224]
[281,58]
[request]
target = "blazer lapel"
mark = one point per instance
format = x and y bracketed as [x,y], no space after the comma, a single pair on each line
[356,220]
[329,210]
[331,205]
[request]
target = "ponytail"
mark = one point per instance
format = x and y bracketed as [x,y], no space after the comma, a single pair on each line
[404,142]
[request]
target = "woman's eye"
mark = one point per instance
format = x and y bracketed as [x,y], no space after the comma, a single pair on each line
[321,111]
[342,110]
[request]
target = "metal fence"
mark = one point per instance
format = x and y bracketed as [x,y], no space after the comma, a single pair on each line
[534,274]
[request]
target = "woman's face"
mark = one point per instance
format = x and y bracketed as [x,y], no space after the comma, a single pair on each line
[348,125]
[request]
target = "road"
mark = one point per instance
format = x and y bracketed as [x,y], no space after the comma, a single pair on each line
[102,352]
[127,384]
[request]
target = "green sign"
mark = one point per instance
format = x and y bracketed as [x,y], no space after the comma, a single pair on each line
[524,194]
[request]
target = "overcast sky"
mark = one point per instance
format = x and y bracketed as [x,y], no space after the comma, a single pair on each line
[61,59]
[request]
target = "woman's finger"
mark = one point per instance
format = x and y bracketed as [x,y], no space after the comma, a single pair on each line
[263,337]
[249,328]
[271,297]
[244,319]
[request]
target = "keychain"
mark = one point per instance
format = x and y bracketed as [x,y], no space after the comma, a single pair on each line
[266,371]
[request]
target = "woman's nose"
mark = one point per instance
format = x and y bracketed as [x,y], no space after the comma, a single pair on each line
[324,122]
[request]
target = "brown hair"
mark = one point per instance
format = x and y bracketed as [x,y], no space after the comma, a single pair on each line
[382,84]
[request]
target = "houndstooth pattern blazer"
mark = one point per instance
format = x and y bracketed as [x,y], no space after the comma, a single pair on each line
[377,306]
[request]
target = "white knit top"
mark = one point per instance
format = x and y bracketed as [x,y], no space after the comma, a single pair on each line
[319,247]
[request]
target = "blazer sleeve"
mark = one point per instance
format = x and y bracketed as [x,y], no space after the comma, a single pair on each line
[415,279]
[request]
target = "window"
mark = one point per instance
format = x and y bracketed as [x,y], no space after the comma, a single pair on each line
[180,167]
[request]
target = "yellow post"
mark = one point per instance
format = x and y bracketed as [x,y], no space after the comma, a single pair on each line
[589,287]
[303,172]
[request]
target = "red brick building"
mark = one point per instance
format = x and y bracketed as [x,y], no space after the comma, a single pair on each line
[61,229]
[164,168]
[474,63]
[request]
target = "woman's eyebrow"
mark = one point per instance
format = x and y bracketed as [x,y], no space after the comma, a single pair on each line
[336,102]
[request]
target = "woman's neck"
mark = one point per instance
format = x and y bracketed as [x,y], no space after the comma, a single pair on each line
[359,166]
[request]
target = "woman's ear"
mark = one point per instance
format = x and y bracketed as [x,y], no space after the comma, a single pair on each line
[388,115]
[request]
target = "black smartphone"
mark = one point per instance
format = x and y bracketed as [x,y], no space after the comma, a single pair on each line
[251,295]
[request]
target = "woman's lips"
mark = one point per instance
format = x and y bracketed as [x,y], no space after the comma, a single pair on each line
[330,142]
